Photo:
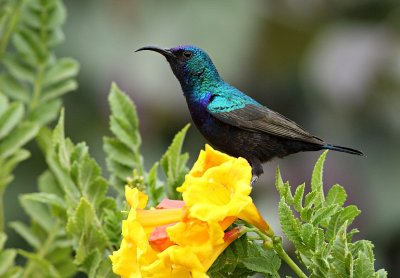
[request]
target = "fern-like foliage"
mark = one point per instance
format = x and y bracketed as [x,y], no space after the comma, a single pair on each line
[321,236]
[71,213]
[32,80]
[123,149]
[33,75]
[124,158]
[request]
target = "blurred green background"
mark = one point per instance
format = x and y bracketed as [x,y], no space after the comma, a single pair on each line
[332,66]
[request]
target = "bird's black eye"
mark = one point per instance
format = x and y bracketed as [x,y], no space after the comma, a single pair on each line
[187,54]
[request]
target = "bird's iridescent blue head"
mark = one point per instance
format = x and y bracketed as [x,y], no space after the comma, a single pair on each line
[190,64]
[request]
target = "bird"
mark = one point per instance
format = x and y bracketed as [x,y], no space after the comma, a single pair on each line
[232,121]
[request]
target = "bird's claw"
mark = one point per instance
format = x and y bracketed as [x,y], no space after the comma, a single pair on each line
[254,178]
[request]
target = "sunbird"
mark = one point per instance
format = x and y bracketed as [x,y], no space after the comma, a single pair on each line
[230,120]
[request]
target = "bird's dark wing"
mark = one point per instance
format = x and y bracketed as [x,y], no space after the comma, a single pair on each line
[261,119]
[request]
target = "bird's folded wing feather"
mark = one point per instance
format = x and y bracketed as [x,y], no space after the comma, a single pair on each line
[261,119]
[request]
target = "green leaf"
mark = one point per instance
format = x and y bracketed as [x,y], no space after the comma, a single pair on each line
[381,273]
[85,227]
[8,165]
[316,180]
[10,86]
[18,69]
[229,263]
[28,43]
[42,266]
[290,225]
[46,198]
[323,214]
[63,69]
[37,212]
[17,138]
[339,253]
[298,197]
[91,263]
[89,180]
[58,89]
[122,151]
[10,118]
[45,112]
[6,260]
[154,190]
[124,120]
[261,260]
[336,195]
[26,233]
[363,267]
[173,164]
[118,152]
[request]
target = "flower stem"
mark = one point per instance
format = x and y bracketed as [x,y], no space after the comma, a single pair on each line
[285,257]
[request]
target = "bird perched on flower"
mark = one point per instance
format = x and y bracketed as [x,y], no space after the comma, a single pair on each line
[232,121]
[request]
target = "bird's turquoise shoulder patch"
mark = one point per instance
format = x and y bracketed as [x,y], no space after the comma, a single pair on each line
[229,99]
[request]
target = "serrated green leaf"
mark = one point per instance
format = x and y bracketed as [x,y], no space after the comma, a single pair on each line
[19,69]
[323,214]
[349,213]
[381,273]
[308,235]
[229,262]
[105,270]
[173,164]
[124,121]
[85,227]
[45,112]
[17,138]
[58,89]
[290,225]
[37,212]
[339,253]
[336,195]
[316,180]
[10,118]
[88,178]
[298,197]
[363,267]
[42,266]
[363,246]
[8,165]
[26,233]
[28,43]
[46,198]
[155,191]
[280,185]
[261,260]
[13,88]
[6,260]
[118,152]
[91,263]
[63,69]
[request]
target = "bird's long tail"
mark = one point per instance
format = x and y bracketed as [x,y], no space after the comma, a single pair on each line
[342,149]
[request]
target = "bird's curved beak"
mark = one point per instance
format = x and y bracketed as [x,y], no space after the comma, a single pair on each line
[165,52]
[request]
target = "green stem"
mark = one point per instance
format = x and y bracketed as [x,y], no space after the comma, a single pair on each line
[285,257]
[37,88]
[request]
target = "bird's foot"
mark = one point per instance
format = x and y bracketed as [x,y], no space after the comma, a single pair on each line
[254,178]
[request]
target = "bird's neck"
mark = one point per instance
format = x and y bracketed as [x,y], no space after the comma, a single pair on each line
[206,78]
